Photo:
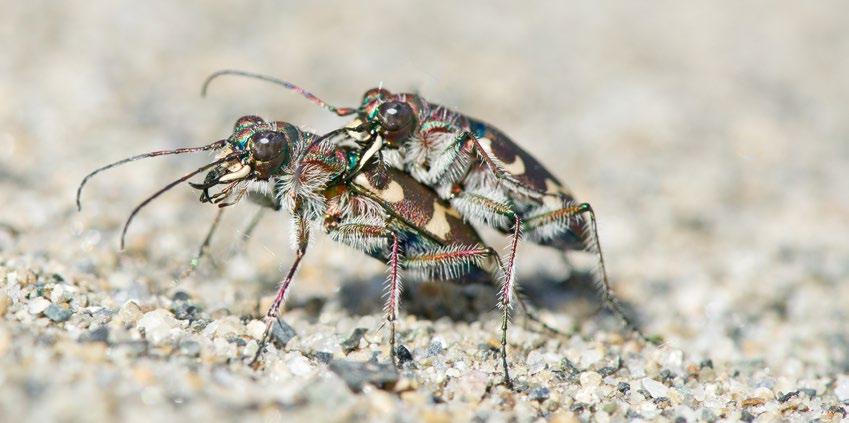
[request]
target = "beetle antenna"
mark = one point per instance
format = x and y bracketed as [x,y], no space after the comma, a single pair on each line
[340,111]
[168,187]
[213,146]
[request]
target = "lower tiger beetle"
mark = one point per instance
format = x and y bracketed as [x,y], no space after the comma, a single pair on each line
[379,210]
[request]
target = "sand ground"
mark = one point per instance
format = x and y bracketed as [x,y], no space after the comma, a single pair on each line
[711,139]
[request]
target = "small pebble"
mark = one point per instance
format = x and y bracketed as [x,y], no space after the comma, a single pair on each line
[57,313]
[607,371]
[435,348]
[590,379]
[655,388]
[60,294]
[470,386]
[225,327]
[251,348]
[130,313]
[101,334]
[299,365]
[811,393]
[255,329]
[786,397]
[5,301]
[37,305]
[841,388]
[836,410]
[587,395]
[323,356]
[185,311]
[190,348]
[590,357]
[535,362]
[763,393]
[157,325]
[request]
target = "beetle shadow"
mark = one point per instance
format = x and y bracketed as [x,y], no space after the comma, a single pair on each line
[576,296]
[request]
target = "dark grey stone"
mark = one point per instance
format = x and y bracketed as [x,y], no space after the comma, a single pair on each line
[281,333]
[353,341]
[358,374]
[404,355]
[539,393]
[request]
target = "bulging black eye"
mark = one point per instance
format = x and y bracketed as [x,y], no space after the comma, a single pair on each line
[267,146]
[397,119]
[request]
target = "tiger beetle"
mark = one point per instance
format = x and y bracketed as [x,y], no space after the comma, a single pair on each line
[480,171]
[379,210]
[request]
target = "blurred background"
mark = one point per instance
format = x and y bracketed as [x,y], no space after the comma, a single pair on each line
[712,140]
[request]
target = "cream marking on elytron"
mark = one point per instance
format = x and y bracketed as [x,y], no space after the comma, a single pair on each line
[393,193]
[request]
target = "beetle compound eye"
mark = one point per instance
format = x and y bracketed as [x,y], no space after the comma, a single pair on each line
[397,119]
[268,146]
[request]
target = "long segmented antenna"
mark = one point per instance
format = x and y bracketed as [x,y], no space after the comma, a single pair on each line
[340,111]
[213,146]
[168,187]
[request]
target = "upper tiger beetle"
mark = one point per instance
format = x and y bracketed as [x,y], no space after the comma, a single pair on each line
[379,210]
[480,171]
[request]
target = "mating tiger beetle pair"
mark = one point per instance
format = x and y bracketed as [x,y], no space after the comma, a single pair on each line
[400,182]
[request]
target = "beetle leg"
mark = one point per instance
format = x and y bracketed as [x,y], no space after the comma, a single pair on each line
[204,247]
[248,232]
[393,296]
[496,213]
[551,223]
[485,207]
[532,316]
[446,263]
[366,235]
[265,201]
[302,237]
[452,262]
[507,293]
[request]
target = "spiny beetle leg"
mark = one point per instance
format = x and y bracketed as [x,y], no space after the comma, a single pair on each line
[505,318]
[248,232]
[358,233]
[507,293]
[302,236]
[393,296]
[561,218]
[451,263]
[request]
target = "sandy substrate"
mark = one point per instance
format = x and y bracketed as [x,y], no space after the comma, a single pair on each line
[711,140]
